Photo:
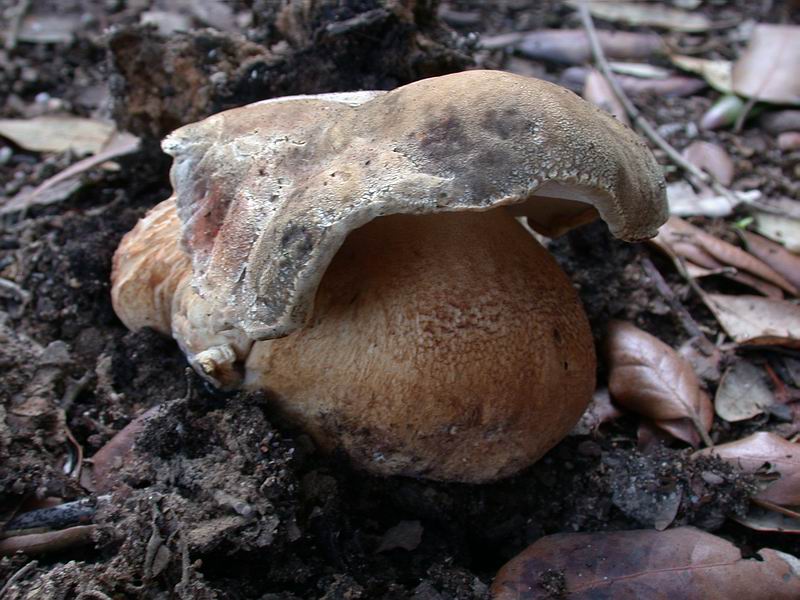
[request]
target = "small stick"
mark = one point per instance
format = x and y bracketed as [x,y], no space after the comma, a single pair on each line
[776,508]
[638,119]
[689,324]
[15,23]
[22,572]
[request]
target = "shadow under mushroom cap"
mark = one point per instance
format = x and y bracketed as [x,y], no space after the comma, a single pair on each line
[267,193]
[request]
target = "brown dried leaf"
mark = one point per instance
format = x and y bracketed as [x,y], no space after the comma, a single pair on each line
[760,519]
[406,535]
[678,231]
[767,69]
[716,72]
[776,256]
[742,393]
[101,475]
[600,410]
[631,565]
[598,91]
[58,134]
[755,452]
[782,229]
[712,159]
[571,46]
[648,14]
[755,320]
[650,378]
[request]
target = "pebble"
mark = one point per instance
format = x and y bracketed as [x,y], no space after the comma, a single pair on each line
[789,140]
[5,155]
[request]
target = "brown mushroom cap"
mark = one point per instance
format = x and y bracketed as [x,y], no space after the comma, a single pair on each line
[269,192]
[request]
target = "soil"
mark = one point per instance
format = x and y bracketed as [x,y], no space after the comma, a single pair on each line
[218,498]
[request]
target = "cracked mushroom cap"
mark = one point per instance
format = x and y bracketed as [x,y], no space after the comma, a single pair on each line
[268,193]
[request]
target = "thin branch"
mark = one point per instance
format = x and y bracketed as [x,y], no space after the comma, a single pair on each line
[22,572]
[639,120]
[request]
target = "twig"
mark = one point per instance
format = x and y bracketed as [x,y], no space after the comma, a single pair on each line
[95,594]
[15,23]
[689,324]
[55,517]
[639,120]
[22,572]
[775,508]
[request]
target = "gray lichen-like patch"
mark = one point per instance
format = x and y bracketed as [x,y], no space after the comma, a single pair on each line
[268,193]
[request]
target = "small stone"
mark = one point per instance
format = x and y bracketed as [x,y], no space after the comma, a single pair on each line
[5,155]
[712,478]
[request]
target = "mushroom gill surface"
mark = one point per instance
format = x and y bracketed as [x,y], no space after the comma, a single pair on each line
[448,346]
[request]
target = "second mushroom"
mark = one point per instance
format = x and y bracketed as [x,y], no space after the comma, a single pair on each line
[360,257]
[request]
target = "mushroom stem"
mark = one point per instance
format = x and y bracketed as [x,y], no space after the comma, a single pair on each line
[449,346]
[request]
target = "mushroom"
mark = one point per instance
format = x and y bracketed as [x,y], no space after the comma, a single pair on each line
[360,256]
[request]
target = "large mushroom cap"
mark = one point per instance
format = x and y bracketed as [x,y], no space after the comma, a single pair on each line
[301,173]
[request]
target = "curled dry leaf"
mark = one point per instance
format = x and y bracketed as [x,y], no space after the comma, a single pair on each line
[684,201]
[406,535]
[58,134]
[723,112]
[742,392]
[760,519]
[754,320]
[712,159]
[677,234]
[780,121]
[648,14]
[782,229]
[650,378]
[101,476]
[672,86]
[776,256]
[600,410]
[716,72]
[789,140]
[598,91]
[630,565]
[766,453]
[571,46]
[767,70]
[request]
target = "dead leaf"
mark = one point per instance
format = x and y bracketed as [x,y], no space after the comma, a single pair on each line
[600,410]
[780,121]
[776,256]
[712,159]
[684,201]
[783,229]
[718,73]
[678,231]
[406,535]
[760,519]
[58,134]
[632,565]
[673,86]
[703,357]
[650,378]
[598,91]
[48,29]
[641,70]
[754,320]
[742,393]
[789,141]
[571,46]
[759,452]
[725,111]
[101,476]
[64,183]
[648,14]
[767,70]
